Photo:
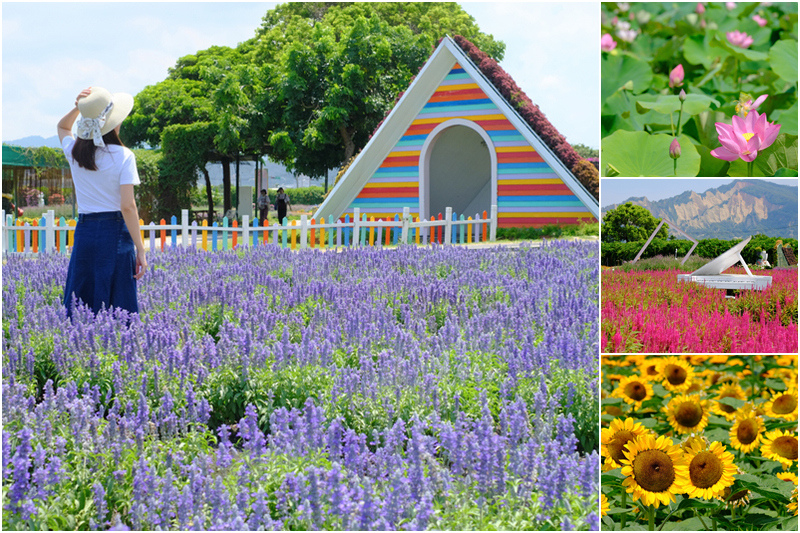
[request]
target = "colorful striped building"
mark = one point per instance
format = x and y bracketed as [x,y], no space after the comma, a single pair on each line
[453,141]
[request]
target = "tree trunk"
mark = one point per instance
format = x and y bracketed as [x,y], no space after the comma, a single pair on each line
[209,196]
[349,145]
[226,185]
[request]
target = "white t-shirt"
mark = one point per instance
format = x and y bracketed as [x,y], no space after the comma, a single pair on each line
[98,190]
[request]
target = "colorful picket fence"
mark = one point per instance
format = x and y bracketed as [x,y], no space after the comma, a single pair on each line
[56,235]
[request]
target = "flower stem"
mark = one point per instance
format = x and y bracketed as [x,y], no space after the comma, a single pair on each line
[680,115]
[651,518]
[674,167]
[624,505]
[750,169]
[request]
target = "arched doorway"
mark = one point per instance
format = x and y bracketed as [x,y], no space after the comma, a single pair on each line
[458,169]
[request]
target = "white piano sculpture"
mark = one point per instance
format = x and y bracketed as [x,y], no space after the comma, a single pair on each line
[711,274]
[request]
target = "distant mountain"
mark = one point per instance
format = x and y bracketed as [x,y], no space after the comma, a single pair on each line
[35,141]
[732,211]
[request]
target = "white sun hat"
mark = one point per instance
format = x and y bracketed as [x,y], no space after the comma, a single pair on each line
[101,112]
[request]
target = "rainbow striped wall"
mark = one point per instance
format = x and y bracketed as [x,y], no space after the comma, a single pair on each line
[529,193]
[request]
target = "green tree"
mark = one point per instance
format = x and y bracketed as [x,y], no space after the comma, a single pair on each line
[307,90]
[331,72]
[630,223]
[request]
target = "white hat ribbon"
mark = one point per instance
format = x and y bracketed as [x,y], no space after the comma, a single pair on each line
[89,128]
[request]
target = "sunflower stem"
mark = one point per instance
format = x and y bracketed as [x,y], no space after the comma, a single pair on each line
[651,518]
[624,505]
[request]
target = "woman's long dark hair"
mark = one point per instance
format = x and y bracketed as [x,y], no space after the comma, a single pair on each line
[83,149]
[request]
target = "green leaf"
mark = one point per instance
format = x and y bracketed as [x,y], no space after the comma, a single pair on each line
[743,54]
[694,104]
[697,53]
[780,154]
[639,154]
[787,118]
[619,70]
[783,59]
[710,165]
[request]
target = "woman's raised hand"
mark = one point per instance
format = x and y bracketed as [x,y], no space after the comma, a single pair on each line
[84,93]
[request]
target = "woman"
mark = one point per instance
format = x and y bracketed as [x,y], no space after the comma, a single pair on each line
[108,255]
[281,204]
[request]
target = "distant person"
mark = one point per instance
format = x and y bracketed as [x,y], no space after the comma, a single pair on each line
[263,204]
[108,256]
[281,204]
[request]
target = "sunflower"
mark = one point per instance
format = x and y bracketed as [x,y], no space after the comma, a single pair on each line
[783,405]
[792,505]
[780,445]
[648,369]
[603,505]
[746,432]
[675,374]
[655,470]
[791,477]
[634,390]
[711,469]
[687,414]
[614,439]
[727,391]
[737,499]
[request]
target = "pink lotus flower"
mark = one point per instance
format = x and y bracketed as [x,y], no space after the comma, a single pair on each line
[730,5]
[676,76]
[739,38]
[760,20]
[700,9]
[745,137]
[743,108]
[607,43]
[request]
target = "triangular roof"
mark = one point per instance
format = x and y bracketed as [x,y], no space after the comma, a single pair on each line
[393,127]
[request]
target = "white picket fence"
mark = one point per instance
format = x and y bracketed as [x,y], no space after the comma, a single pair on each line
[51,235]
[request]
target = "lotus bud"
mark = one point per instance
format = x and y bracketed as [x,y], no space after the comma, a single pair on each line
[675,149]
[682,96]
[676,76]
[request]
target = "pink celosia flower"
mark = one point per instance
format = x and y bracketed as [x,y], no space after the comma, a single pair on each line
[760,20]
[743,108]
[739,38]
[607,43]
[745,137]
[676,76]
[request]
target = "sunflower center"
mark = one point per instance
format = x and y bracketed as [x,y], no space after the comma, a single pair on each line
[724,407]
[705,470]
[783,405]
[747,431]
[653,470]
[689,414]
[617,445]
[651,370]
[786,447]
[635,391]
[675,374]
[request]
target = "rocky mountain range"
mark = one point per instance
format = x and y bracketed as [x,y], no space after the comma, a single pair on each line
[735,210]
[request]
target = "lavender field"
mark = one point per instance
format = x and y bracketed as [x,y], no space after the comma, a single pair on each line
[416,388]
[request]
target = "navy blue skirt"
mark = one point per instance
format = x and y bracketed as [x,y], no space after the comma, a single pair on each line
[102,264]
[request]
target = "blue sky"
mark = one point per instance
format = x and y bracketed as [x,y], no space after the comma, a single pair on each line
[53,50]
[616,190]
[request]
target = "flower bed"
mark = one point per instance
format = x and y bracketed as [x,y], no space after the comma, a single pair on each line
[653,312]
[698,442]
[366,389]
